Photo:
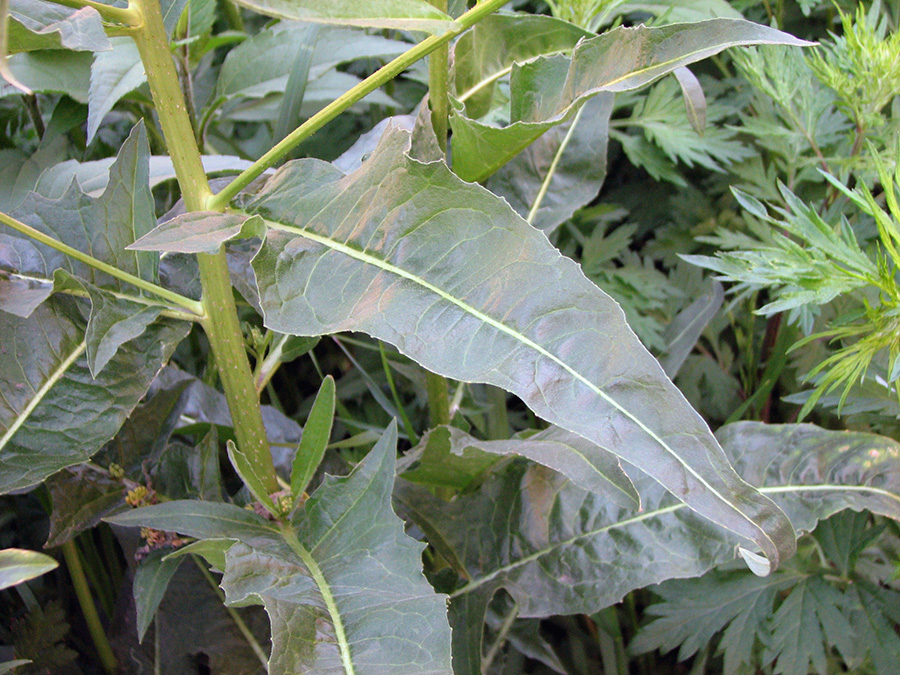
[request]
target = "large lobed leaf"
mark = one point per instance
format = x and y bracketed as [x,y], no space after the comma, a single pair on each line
[547,90]
[444,270]
[529,531]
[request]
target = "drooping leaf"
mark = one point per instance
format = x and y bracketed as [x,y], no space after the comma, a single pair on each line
[18,565]
[149,586]
[849,470]
[682,334]
[581,461]
[113,74]
[400,14]
[694,98]
[34,24]
[347,599]
[548,90]
[561,171]
[535,326]
[316,435]
[526,526]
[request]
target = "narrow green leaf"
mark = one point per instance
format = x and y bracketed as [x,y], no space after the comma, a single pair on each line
[199,232]
[694,98]
[533,325]
[548,90]
[348,599]
[316,435]
[113,74]
[149,586]
[295,88]
[18,565]
[204,520]
[682,334]
[212,550]
[247,472]
[42,25]
[417,15]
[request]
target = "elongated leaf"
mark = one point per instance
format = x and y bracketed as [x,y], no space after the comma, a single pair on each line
[316,435]
[400,14]
[682,334]
[533,325]
[150,582]
[113,74]
[199,232]
[548,90]
[502,537]
[849,470]
[247,471]
[42,25]
[584,463]
[348,599]
[205,520]
[18,565]
[694,98]
[9,666]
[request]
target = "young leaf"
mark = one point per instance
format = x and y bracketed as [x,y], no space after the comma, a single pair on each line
[149,586]
[348,599]
[316,435]
[417,15]
[694,98]
[247,471]
[548,90]
[533,325]
[18,565]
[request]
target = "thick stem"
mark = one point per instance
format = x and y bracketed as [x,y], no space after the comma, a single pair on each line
[91,617]
[340,104]
[221,321]
[438,77]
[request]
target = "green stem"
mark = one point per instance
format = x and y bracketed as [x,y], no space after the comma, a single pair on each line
[497,419]
[502,634]
[176,299]
[220,318]
[315,572]
[438,75]
[336,107]
[438,399]
[410,431]
[80,584]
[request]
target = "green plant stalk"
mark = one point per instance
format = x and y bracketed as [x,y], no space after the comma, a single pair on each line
[385,74]
[497,418]
[232,612]
[220,321]
[80,584]
[176,299]
[410,431]
[331,607]
[438,77]
[438,398]
[500,640]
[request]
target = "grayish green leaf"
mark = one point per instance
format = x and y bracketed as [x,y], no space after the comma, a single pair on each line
[847,470]
[247,471]
[682,334]
[533,325]
[149,586]
[113,74]
[18,565]
[42,25]
[92,177]
[51,71]
[548,90]
[348,599]
[199,232]
[212,550]
[81,497]
[694,98]
[561,171]
[9,666]
[417,15]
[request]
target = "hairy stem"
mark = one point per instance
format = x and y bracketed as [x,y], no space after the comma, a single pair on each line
[340,104]
[221,321]
[438,76]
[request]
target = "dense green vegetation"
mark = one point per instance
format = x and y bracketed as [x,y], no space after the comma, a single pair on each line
[390,337]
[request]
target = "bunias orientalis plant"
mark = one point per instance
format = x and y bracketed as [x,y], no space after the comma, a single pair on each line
[393,244]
